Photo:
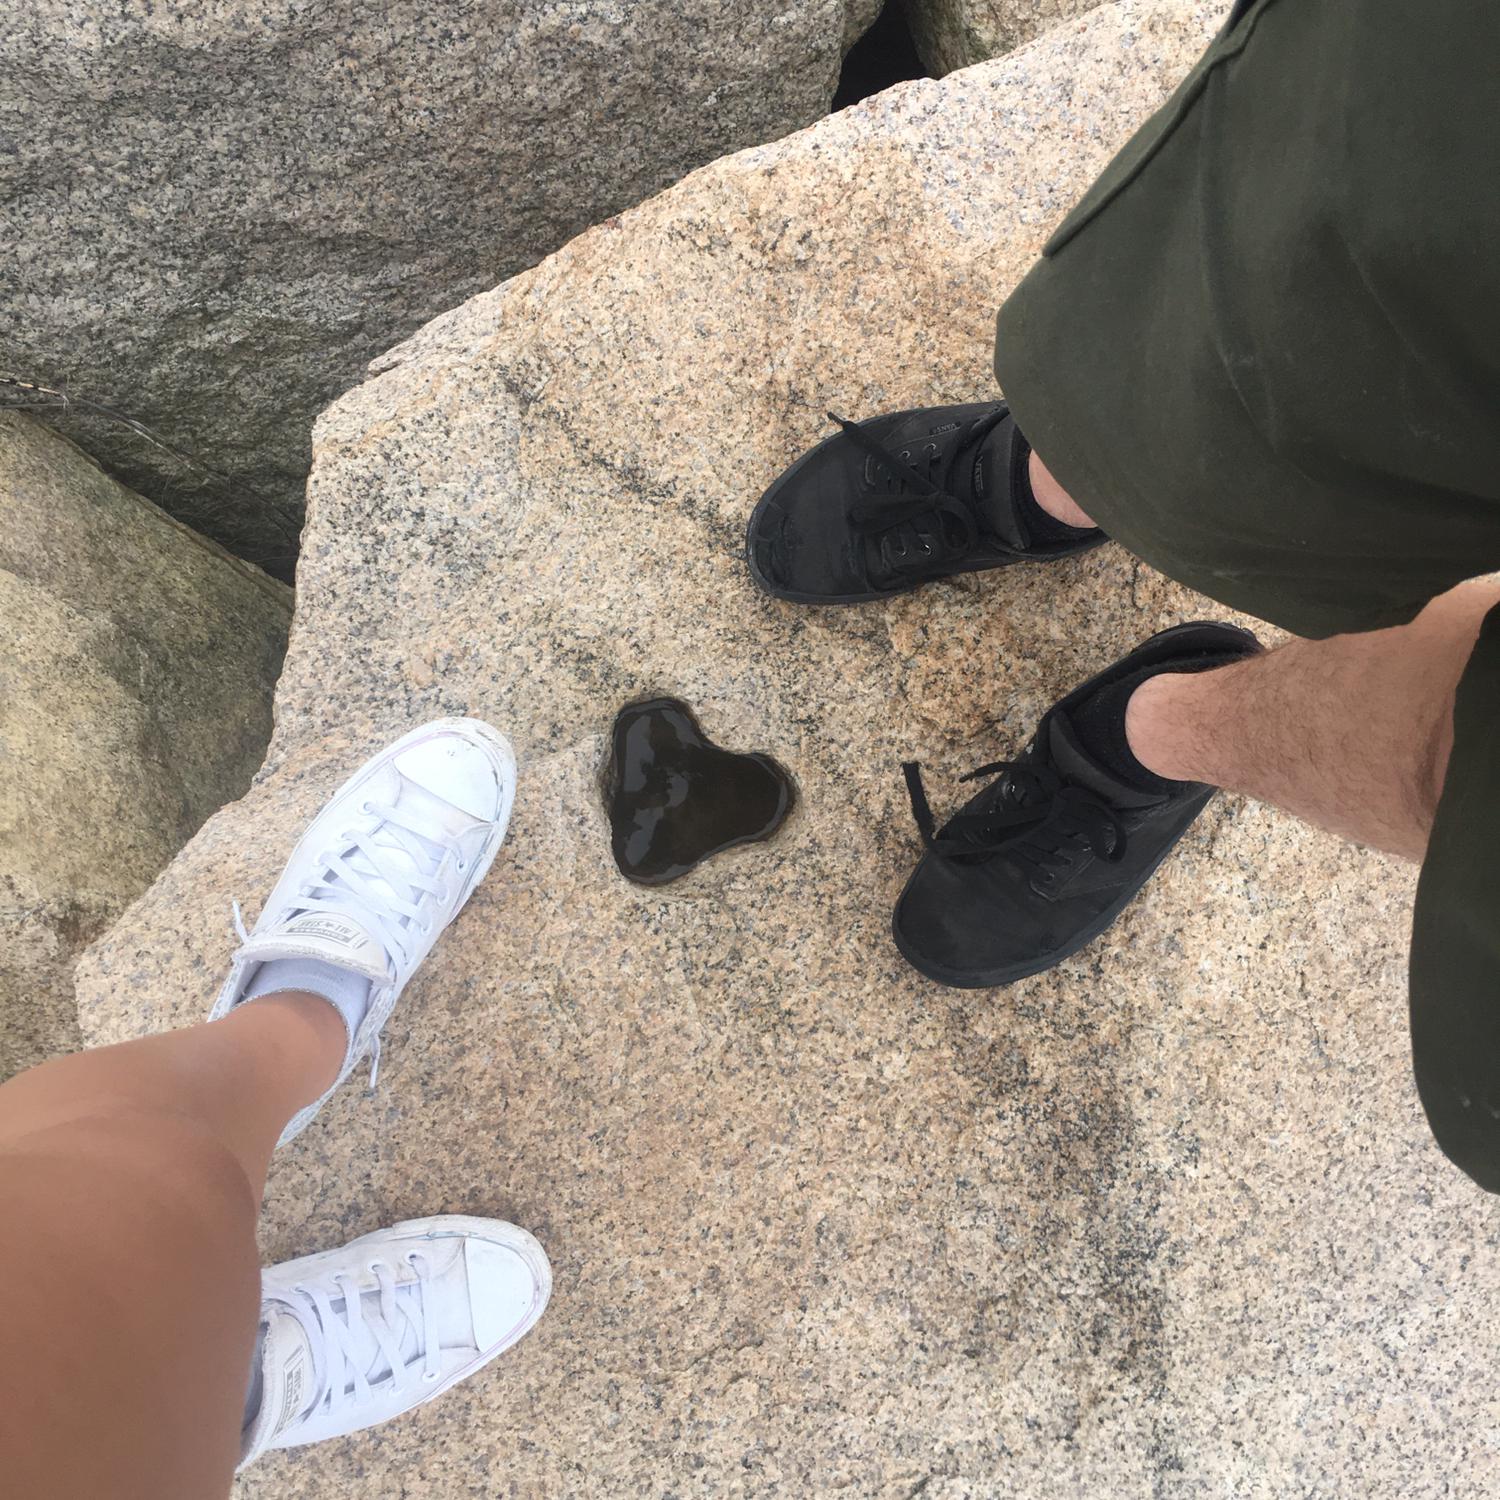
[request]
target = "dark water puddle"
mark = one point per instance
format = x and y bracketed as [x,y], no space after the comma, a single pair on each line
[674,797]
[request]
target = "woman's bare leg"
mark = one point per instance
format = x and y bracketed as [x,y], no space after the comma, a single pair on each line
[130,1179]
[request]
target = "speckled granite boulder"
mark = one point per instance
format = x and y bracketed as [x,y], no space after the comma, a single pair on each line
[135,699]
[1163,1223]
[955,33]
[215,213]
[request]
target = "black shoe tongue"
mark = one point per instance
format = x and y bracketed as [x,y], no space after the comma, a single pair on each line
[1074,763]
[990,474]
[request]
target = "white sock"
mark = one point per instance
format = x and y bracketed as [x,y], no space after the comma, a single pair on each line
[252,1395]
[347,992]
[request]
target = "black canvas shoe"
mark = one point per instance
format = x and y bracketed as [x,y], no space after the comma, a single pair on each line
[1040,862]
[886,505]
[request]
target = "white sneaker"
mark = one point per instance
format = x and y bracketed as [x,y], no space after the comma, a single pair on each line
[356,1336]
[383,869]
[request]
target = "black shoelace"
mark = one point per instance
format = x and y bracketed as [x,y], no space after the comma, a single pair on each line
[922,529]
[1063,821]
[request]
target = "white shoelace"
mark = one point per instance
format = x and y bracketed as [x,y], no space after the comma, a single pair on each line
[398,871]
[346,889]
[341,1353]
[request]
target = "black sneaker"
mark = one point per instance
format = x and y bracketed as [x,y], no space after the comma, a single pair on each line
[887,505]
[1040,862]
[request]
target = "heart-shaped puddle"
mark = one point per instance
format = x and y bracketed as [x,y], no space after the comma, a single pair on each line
[674,797]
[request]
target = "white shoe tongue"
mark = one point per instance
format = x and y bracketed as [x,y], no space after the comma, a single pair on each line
[341,937]
[331,937]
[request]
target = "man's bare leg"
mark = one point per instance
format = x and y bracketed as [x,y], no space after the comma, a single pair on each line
[1352,733]
[131,1177]
[1052,497]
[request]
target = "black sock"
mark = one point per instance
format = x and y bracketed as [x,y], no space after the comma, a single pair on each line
[1100,722]
[1041,525]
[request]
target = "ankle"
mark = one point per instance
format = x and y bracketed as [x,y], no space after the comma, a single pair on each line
[308,1028]
[1053,498]
[341,989]
[1160,720]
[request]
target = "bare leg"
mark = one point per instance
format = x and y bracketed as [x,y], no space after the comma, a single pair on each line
[1052,497]
[1352,733]
[130,1179]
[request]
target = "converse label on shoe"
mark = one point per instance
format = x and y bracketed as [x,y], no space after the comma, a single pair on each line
[288,1380]
[295,1376]
[331,929]
[331,939]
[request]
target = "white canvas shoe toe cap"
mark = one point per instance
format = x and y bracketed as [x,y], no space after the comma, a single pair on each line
[465,763]
[508,1290]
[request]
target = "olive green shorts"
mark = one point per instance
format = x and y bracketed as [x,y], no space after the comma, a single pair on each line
[1264,353]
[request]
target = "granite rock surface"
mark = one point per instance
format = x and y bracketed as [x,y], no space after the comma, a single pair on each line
[135,699]
[215,213]
[953,34]
[1165,1222]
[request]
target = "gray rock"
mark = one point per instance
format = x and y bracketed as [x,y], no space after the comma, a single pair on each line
[135,699]
[214,213]
[1164,1222]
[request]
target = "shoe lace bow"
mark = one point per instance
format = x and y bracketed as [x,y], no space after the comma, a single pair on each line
[1061,821]
[918,527]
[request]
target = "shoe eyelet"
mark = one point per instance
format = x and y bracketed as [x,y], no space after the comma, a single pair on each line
[429,1376]
[367,808]
[905,455]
